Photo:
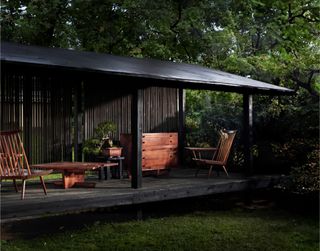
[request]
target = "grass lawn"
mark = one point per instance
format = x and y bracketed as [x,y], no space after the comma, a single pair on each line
[236,229]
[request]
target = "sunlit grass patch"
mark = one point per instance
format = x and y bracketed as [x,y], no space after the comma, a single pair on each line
[236,229]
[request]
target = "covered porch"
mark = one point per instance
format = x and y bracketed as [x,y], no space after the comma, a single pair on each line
[57,97]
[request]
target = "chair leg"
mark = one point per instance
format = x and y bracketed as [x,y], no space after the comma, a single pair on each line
[224,168]
[23,189]
[15,186]
[43,185]
[210,171]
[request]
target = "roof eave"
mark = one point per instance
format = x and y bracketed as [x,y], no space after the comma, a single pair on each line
[181,83]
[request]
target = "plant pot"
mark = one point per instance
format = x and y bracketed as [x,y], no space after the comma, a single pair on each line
[112,151]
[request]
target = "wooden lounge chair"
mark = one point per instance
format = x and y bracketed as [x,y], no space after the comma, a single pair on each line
[220,154]
[14,163]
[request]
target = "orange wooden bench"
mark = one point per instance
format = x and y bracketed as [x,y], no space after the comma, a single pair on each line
[159,151]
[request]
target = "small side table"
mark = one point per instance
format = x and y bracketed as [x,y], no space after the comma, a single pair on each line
[117,159]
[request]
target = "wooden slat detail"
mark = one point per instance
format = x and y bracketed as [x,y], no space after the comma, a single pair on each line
[146,147]
[159,109]
[40,106]
[159,159]
[159,150]
[159,154]
[162,139]
[159,164]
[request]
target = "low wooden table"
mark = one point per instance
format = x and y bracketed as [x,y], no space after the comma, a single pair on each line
[73,172]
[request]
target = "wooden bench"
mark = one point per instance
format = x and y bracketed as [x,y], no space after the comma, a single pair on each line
[159,151]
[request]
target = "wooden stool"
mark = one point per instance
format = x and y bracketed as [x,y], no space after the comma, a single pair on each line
[117,159]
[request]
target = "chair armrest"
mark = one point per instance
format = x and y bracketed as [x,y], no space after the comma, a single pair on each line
[201,148]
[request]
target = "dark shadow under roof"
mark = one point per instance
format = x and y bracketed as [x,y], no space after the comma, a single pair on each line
[188,75]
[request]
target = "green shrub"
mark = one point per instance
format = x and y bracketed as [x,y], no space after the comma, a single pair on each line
[304,178]
[102,139]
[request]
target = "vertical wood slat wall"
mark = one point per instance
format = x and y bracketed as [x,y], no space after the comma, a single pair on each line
[159,110]
[43,108]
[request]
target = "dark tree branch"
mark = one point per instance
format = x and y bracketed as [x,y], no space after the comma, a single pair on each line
[292,17]
[296,77]
[289,12]
[187,52]
[258,40]
[53,19]
[117,41]
[174,25]
[255,43]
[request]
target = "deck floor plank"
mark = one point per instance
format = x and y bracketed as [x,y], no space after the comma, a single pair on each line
[180,183]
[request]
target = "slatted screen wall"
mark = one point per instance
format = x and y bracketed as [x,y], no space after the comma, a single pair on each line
[160,109]
[43,107]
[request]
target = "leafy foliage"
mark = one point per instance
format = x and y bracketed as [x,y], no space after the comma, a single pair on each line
[102,139]
[306,177]
[207,112]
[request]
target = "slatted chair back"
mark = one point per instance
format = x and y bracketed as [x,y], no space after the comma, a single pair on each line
[224,146]
[14,163]
[13,159]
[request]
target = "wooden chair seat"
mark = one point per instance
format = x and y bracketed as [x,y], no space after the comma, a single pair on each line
[26,175]
[208,161]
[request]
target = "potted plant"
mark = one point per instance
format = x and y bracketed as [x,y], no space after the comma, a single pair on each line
[102,143]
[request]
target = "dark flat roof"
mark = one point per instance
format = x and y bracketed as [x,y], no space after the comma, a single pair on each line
[188,75]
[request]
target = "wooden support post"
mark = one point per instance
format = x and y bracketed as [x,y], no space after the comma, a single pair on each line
[2,97]
[136,131]
[181,128]
[17,104]
[27,115]
[75,129]
[78,119]
[139,214]
[247,132]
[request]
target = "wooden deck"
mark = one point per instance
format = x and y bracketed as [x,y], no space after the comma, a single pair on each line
[180,183]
